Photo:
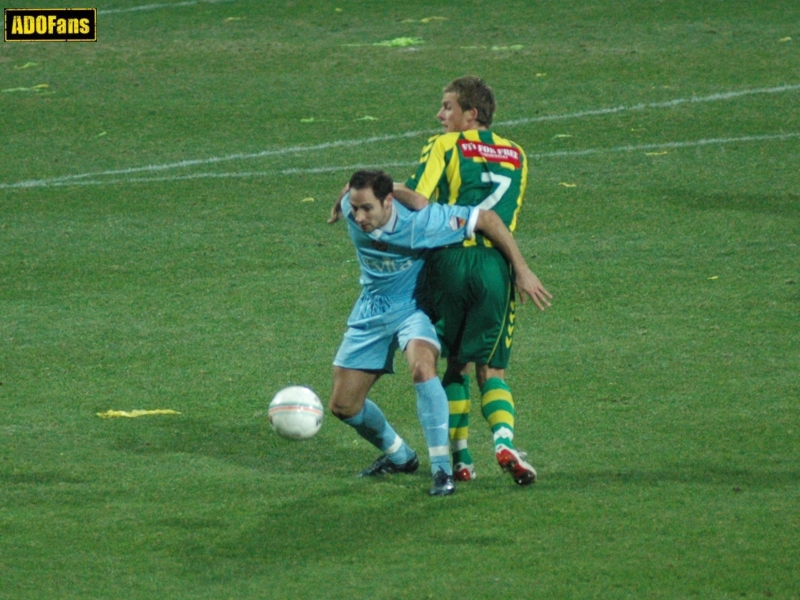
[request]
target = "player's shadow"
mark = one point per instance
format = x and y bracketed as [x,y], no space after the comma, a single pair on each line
[250,444]
[339,519]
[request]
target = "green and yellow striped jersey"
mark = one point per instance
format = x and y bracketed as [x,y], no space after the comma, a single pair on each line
[473,168]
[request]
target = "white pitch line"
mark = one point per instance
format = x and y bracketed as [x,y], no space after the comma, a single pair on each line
[390,137]
[668,145]
[213,160]
[230,174]
[115,11]
[351,168]
[667,104]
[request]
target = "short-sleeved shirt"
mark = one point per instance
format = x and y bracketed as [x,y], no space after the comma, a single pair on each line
[468,294]
[386,315]
[473,168]
[391,257]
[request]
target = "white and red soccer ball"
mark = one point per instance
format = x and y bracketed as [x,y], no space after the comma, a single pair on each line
[296,413]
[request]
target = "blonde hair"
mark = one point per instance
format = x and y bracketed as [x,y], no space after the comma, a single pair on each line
[473,92]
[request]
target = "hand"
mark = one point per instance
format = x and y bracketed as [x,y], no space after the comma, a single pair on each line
[528,284]
[336,209]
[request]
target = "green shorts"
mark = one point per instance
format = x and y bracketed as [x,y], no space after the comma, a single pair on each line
[468,294]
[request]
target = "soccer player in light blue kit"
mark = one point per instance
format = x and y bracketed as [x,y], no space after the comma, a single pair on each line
[391,243]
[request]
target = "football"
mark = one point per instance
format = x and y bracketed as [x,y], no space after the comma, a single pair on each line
[296,413]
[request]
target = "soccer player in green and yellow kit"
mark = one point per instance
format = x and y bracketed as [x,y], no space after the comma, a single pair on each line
[468,288]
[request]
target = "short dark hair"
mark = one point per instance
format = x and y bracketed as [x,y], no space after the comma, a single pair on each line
[474,92]
[380,182]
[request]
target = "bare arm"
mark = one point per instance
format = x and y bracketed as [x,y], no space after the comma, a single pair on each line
[492,226]
[409,198]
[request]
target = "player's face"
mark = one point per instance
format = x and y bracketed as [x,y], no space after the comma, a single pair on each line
[369,212]
[453,118]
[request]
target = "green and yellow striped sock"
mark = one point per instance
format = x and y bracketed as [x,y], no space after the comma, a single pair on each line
[457,389]
[497,406]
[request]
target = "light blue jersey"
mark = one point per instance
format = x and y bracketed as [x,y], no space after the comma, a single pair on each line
[386,316]
[391,257]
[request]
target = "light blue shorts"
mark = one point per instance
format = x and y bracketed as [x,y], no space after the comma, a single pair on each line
[370,346]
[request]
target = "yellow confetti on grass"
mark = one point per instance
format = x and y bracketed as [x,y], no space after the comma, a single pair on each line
[400,42]
[568,185]
[27,65]
[36,89]
[656,153]
[111,414]
[499,49]
[786,39]
[713,277]
[426,20]
[309,199]
[367,118]
[233,19]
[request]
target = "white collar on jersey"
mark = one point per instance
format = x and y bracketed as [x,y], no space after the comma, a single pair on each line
[390,225]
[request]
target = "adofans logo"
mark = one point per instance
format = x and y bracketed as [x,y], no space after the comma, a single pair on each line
[50,24]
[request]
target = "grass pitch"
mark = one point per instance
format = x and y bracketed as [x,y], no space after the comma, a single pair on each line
[160,248]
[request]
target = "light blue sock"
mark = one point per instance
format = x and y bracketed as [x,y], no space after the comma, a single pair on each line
[434,415]
[372,425]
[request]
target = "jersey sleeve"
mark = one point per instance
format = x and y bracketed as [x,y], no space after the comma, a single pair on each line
[442,225]
[349,218]
[432,165]
[347,211]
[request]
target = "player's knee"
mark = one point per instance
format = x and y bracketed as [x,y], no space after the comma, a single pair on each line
[423,370]
[484,373]
[422,356]
[340,408]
